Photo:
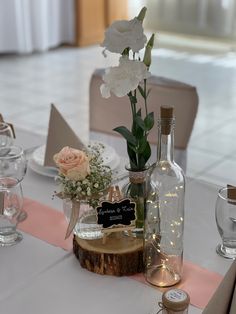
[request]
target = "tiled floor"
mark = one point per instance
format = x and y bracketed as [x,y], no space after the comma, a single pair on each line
[28,84]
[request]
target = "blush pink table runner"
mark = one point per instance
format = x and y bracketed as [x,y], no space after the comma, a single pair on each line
[199,282]
[46,224]
[50,226]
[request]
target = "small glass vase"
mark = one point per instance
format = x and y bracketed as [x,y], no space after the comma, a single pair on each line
[86,226]
[136,189]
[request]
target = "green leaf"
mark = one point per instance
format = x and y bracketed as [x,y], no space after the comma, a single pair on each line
[141,162]
[138,160]
[139,121]
[133,99]
[142,145]
[139,113]
[137,129]
[141,90]
[142,14]
[132,157]
[148,92]
[132,147]
[149,121]
[139,133]
[126,134]
[146,152]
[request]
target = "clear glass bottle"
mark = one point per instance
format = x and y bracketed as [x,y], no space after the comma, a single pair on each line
[164,221]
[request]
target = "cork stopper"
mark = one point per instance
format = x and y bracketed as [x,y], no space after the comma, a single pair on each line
[175,300]
[231,193]
[167,114]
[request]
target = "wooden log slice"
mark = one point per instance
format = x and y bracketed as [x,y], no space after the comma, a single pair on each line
[118,256]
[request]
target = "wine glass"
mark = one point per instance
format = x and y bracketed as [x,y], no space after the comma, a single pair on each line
[12,162]
[11,213]
[6,135]
[225,214]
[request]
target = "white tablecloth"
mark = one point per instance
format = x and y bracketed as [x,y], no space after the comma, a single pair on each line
[39,278]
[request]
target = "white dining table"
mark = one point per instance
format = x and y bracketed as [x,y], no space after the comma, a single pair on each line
[39,278]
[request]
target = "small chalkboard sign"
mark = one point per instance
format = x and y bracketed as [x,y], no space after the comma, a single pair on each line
[117,213]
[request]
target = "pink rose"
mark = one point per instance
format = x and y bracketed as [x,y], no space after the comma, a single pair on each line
[73,163]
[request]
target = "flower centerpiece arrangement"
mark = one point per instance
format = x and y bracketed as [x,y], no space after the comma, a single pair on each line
[83,177]
[129,78]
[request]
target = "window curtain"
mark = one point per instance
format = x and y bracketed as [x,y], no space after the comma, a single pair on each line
[35,25]
[214,18]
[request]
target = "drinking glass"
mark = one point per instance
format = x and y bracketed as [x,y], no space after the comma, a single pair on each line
[12,162]
[11,213]
[6,135]
[225,214]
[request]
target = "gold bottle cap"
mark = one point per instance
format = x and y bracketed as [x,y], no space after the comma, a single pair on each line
[175,300]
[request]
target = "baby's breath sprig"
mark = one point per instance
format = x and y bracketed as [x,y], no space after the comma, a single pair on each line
[94,186]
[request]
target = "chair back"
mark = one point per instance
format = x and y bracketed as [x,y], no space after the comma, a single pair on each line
[106,114]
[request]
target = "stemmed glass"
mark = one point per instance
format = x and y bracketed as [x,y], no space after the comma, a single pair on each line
[11,213]
[12,171]
[225,214]
[6,135]
[12,162]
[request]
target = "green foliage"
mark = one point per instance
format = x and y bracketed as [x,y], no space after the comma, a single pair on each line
[149,121]
[130,138]
[138,147]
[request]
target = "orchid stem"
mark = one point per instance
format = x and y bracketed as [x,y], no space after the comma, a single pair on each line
[145,96]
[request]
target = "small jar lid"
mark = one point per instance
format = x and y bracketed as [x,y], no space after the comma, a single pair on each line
[175,299]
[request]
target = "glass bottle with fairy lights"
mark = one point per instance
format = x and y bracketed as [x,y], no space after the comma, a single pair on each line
[164,221]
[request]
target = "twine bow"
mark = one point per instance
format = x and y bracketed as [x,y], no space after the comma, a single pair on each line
[74,213]
[74,216]
[161,306]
